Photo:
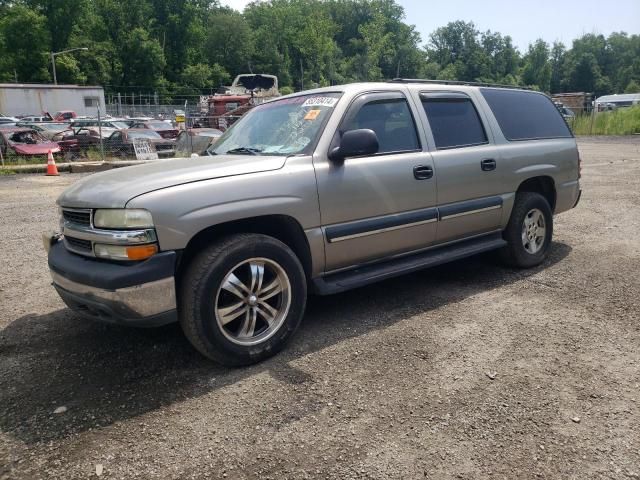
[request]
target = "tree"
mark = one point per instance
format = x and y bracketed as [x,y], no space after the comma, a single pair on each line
[144,59]
[376,40]
[632,87]
[229,40]
[583,74]
[25,45]
[177,46]
[199,77]
[62,16]
[536,69]
[558,54]
[462,52]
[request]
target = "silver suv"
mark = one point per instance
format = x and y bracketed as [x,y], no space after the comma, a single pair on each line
[317,192]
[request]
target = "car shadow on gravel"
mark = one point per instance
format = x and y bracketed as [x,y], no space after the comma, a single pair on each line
[104,374]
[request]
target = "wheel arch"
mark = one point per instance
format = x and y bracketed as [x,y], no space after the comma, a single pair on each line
[542,184]
[281,227]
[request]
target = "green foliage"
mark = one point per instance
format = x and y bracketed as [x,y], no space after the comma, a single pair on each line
[624,121]
[536,69]
[24,41]
[464,53]
[190,47]
[201,76]
[632,87]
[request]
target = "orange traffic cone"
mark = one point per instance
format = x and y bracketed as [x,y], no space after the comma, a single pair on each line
[51,165]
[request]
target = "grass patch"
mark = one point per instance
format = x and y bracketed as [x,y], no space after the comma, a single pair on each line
[624,121]
[93,154]
[24,160]
[7,171]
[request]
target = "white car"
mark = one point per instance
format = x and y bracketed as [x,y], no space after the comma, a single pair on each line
[7,121]
[36,118]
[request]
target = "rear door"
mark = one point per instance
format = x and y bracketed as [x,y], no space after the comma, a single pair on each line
[467,165]
[379,205]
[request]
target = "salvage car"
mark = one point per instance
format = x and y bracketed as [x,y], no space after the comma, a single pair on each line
[164,129]
[63,116]
[122,142]
[35,118]
[25,142]
[196,140]
[321,191]
[8,121]
[50,130]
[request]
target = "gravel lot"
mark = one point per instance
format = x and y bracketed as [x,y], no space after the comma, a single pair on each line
[390,381]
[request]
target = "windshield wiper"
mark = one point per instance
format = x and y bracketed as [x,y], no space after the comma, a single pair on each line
[249,150]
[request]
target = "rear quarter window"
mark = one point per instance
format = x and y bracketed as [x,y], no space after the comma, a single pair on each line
[525,115]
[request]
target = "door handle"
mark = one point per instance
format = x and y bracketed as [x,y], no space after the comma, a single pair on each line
[422,172]
[488,164]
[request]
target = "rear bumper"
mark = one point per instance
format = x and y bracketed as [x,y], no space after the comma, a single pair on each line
[141,294]
[567,196]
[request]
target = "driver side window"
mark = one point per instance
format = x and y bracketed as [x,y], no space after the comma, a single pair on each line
[392,122]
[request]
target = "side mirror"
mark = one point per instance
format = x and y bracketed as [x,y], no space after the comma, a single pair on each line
[355,143]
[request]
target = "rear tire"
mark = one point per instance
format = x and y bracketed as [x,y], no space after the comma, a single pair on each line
[242,299]
[529,231]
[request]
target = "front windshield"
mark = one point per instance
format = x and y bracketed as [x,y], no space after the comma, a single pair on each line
[120,125]
[282,127]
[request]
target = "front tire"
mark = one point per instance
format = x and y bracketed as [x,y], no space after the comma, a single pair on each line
[242,298]
[529,231]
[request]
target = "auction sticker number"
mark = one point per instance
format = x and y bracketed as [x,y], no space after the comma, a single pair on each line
[320,102]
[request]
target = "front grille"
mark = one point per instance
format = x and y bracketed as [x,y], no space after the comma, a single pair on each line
[164,147]
[78,244]
[80,217]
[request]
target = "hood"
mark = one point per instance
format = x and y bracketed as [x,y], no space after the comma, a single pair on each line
[114,188]
[35,149]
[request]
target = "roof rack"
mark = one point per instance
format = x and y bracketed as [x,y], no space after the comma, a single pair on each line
[456,82]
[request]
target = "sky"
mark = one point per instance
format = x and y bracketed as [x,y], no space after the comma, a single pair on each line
[524,21]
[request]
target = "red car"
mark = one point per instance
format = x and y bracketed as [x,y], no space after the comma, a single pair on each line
[63,115]
[165,129]
[25,142]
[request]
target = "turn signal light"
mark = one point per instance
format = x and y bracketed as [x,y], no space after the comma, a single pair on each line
[125,252]
[141,252]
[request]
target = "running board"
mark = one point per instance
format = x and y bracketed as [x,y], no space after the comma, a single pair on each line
[358,277]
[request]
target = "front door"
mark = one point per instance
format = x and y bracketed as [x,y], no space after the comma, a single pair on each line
[383,204]
[467,165]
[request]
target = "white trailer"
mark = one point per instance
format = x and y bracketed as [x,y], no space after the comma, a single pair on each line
[33,99]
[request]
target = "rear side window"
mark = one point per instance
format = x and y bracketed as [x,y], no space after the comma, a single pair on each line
[454,121]
[392,122]
[525,115]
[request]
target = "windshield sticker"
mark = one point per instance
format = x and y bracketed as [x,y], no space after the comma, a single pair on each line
[312,114]
[320,102]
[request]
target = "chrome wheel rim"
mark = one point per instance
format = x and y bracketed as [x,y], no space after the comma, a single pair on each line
[534,231]
[253,301]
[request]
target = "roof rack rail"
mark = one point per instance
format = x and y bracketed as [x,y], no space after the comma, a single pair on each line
[456,82]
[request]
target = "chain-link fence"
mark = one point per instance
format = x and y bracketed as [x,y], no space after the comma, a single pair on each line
[143,137]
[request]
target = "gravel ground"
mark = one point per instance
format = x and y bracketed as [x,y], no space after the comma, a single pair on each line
[466,371]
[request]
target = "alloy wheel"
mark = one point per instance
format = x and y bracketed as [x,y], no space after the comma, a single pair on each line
[253,301]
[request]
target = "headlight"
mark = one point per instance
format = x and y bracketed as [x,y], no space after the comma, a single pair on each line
[122,218]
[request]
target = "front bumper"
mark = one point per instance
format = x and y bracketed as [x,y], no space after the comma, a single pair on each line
[139,294]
